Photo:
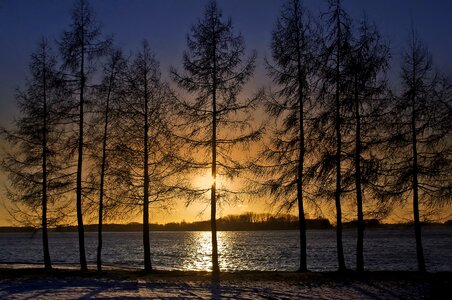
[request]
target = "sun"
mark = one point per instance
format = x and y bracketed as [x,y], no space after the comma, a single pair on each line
[205,181]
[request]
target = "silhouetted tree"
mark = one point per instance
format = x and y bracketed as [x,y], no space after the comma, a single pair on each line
[149,165]
[367,61]
[35,164]
[79,47]
[336,48]
[294,53]
[215,120]
[110,93]
[421,146]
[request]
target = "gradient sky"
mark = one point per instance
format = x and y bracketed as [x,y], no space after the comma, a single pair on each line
[165,24]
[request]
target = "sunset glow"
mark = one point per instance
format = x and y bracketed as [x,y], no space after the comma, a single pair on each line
[206,180]
[225,149]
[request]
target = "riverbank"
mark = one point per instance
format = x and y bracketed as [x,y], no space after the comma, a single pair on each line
[67,283]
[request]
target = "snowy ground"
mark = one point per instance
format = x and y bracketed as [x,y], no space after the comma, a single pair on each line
[69,284]
[83,288]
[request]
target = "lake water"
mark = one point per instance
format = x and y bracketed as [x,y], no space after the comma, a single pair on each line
[385,249]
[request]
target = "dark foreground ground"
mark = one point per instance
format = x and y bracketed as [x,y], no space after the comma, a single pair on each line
[34,283]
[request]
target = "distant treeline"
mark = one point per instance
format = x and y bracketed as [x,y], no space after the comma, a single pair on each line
[244,222]
[248,221]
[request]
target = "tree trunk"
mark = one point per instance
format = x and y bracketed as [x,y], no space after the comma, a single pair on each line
[102,180]
[213,221]
[146,243]
[213,200]
[337,194]
[417,223]
[359,196]
[99,226]
[45,238]
[301,217]
[81,231]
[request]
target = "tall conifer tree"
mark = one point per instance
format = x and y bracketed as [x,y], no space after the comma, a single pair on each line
[80,46]
[215,121]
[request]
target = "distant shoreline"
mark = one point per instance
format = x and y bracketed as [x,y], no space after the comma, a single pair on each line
[137,227]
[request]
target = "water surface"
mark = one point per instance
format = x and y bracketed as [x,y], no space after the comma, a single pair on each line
[384,249]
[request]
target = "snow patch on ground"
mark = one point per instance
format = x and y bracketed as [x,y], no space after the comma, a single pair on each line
[30,281]
[87,288]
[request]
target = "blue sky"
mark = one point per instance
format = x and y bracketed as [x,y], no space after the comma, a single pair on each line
[165,24]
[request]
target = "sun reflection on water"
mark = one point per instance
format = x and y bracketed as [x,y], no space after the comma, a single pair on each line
[201,250]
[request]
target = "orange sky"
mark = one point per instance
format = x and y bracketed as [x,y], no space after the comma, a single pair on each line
[201,210]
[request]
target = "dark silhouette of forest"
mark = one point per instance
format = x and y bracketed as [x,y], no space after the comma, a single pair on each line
[243,222]
[101,135]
